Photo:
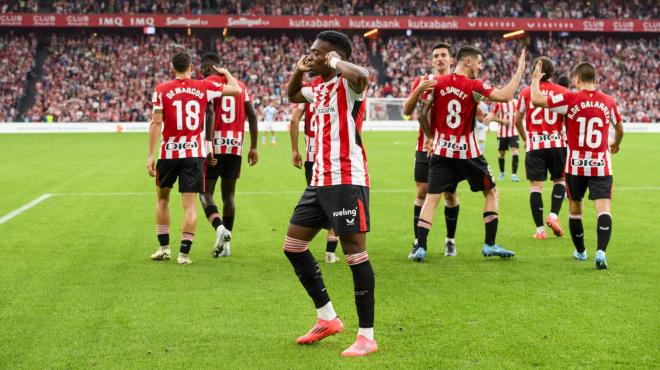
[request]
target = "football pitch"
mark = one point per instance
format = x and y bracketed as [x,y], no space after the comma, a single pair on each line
[78,290]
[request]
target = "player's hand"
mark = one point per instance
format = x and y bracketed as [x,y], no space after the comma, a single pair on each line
[211,160]
[330,55]
[614,148]
[426,85]
[537,75]
[303,64]
[428,145]
[150,166]
[487,118]
[253,157]
[296,160]
[222,71]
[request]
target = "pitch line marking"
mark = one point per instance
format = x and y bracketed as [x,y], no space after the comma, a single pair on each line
[24,208]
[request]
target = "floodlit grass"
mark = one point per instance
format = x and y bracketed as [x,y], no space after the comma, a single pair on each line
[77,288]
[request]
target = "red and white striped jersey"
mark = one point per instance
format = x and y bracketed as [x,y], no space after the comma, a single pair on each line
[455,100]
[310,132]
[506,112]
[229,125]
[588,116]
[183,103]
[338,113]
[545,128]
[424,96]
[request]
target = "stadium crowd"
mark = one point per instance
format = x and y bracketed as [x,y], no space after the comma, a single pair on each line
[640,9]
[17,55]
[111,78]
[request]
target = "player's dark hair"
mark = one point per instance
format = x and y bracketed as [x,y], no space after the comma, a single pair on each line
[211,59]
[467,51]
[339,40]
[563,80]
[181,62]
[443,45]
[585,71]
[546,67]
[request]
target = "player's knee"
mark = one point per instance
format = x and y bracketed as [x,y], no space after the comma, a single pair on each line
[293,245]
[451,200]
[536,188]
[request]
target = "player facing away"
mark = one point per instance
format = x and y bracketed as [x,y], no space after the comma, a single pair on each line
[545,146]
[269,120]
[507,136]
[589,113]
[456,155]
[227,134]
[441,60]
[338,195]
[178,112]
[309,129]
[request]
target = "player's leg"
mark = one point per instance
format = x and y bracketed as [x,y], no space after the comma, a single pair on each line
[600,191]
[575,189]
[307,219]
[223,235]
[451,221]
[421,175]
[536,205]
[502,147]
[273,138]
[331,243]
[556,159]
[479,176]
[162,224]
[188,227]
[513,143]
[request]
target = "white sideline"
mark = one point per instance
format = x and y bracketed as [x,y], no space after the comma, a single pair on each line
[24,208]
[43,197]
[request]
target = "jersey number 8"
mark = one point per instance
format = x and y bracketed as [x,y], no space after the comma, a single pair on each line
[453,113]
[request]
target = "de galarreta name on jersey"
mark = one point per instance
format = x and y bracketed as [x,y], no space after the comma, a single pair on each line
[589,104]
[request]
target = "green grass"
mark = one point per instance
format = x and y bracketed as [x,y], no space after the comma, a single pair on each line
[77,289]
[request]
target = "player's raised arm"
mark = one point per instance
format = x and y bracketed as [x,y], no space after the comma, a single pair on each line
[295,85]
[358,77]
[413,99]
[232,88]
[423,119]
[538,100]
[294,129]
[519,124]
[507,92]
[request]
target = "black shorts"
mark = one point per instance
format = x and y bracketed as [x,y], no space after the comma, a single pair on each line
[344,208]
[445,174]
[505,142]
[541,161]
[189,171]
[228,167]
[309,166]
[600,187]
[421,167]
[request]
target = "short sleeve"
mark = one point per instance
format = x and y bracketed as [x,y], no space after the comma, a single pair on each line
[213,90]
[615,113]
[157,101]
[481,90]
[559,102]
[522,104]
[308,93]
[497,108]
[356,96]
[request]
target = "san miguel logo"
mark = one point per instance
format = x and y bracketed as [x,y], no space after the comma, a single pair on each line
[247,22]
[186,21]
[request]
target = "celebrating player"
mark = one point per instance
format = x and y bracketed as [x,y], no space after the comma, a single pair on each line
[589,113]
[338,195]
[507,136]
[456,155]
[546,150]
[441,61]
[309,130]
[227,135]
[179,106]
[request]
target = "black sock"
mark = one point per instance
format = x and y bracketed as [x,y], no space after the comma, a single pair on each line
[229,222]
[604,231]
[558,192]
[536,204]
[577,233]
[309,274]
[185,246]
[331,245]
[491,227]
[514,164]
[501,162]
[417,211]
[215,221]
[422,234]
[364,283]
[164,239]
[451,219]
